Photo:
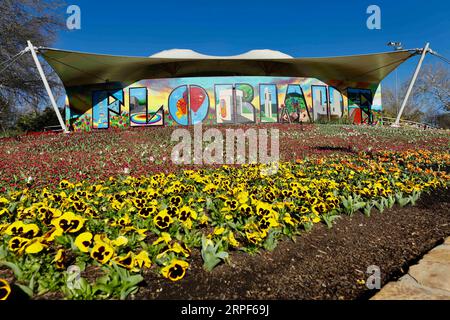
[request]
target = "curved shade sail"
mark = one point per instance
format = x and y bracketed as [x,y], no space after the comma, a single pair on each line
[77,68]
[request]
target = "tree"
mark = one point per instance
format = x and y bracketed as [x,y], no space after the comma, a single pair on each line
[433,90]
[38,120]
[20,84]
[391,105]
[430,96]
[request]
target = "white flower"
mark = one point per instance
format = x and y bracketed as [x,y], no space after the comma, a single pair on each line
[126,170]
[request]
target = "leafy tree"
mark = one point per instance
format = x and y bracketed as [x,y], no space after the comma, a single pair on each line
[37,120]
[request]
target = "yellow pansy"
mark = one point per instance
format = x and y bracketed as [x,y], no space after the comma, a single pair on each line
[163,237]
[218,231]
[35,246]
[59,259]
[162,220]
[5,289]
[185,213]
[288,219]
[242,197]
[126,261]
[142,259]
[119,241]
[4,211]
[232,240]
[17,244]
[83,241]
[175,270]
[69,222]
[102,252]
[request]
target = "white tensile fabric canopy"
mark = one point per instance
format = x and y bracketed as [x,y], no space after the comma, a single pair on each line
[78,68]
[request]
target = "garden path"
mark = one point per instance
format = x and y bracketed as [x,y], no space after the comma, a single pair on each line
[427,280]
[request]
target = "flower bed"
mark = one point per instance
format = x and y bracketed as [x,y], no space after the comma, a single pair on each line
[124,225]
[38,161]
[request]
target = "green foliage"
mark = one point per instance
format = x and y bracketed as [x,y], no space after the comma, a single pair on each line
[212,254]
[118,282]
[329,218]
[271,241]
[352,204]
[37,121]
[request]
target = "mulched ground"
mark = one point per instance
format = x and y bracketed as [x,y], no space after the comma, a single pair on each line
[322,264]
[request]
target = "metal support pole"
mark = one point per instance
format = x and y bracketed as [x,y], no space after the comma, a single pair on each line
[47,86]
[411,84]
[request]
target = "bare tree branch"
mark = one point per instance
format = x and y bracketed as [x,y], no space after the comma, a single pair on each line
[20,84]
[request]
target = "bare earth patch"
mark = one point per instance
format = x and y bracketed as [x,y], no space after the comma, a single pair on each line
[323,264]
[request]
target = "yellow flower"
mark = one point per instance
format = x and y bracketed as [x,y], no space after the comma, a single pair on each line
[186,213]
[46,214]
[176,201]
[64,184]
[69,222]
[316,219]
[123,222]
[164,237]
[117,205]
[162,220]
[232,240]
[218,231]
[35,246]
[176,248]
[126,261]
[246,210]
[263,208]
[4,211]
[253,237]
[210,188]
[142,259]
[59,259]
[17,244]
[18,228]
[267,222]
[3,202]
[120,241]
[52,234]
[142,234]
[181,248]
[30,230]
[5,289]
[203,220]
[84,241]
[102,252]
[288,219]
[146,212]
[175,270]
[230,205]
[15,228]
[242,197]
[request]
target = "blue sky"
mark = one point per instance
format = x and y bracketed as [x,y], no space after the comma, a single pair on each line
[299,28]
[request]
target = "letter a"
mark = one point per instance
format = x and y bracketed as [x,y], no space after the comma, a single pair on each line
[374,20]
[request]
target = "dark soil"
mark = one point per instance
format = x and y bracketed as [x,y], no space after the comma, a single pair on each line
[322,264]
